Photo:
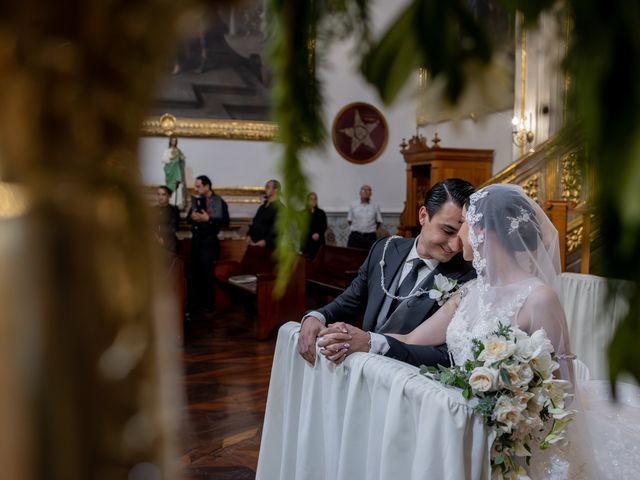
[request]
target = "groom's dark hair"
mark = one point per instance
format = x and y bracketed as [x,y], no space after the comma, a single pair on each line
[453,190]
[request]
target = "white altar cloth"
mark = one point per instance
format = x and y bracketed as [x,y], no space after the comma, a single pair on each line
[370,418]
[591,320]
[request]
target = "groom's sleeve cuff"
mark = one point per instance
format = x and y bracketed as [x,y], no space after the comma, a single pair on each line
[379,344]
[315,314]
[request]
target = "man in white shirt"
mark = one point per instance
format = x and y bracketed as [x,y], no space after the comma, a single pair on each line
[364,218]
[397,267]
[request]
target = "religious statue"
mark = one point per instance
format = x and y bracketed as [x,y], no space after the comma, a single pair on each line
[174,176]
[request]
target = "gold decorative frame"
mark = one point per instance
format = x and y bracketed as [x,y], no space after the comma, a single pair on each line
[168,125]
[241,194]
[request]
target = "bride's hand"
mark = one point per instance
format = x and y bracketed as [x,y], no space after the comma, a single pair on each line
[346,337]
[334,341]
[336,352]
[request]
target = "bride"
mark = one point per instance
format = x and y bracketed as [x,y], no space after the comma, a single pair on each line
[515,252]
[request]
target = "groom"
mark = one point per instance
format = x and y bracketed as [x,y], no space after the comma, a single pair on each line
[410,264]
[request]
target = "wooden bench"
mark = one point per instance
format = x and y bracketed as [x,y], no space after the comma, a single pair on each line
[271,312]
[333,270]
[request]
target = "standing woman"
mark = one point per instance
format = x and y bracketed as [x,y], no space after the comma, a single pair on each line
[174,176]
[317,227]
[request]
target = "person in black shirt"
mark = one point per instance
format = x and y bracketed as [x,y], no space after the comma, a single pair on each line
[262,232]
[208,213]
[166,218]
[317,227]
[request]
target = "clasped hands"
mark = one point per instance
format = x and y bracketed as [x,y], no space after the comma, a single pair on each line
[200,216]
[336,342]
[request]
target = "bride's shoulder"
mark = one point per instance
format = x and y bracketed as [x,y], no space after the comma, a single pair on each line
[542,294]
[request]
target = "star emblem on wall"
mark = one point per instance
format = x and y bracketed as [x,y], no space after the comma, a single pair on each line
[360,132]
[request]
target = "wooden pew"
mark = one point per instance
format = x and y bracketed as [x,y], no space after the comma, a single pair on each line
[333,270]
[271,312]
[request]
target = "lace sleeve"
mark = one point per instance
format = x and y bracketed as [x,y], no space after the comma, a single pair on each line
[542,309]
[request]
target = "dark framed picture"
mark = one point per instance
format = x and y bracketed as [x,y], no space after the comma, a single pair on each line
[359,132]
[217,83]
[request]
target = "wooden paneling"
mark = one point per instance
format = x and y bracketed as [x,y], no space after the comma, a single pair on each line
[426,166]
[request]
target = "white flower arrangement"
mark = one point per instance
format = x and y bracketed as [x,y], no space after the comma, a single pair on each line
[511,377]
[443,288]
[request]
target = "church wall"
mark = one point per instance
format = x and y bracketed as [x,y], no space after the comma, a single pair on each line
[337,182]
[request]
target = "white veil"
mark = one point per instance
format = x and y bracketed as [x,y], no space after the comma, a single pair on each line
[516,251]
[517,258]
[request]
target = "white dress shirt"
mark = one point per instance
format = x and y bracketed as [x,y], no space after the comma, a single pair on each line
[364,217]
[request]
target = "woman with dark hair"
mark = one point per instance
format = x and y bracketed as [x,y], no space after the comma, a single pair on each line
[317,227]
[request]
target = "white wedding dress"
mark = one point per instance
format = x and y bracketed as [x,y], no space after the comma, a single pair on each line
[516,256]
[604,438]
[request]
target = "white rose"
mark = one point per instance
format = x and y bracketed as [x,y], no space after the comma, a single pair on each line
[508,411]
[496,349]
[524,349]
[544,364]
[519,376]
[539,343]
[483,379]
[444,284]
[525,373]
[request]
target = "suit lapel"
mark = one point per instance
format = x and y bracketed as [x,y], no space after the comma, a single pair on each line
[415,310]
[396,255]
[394,259]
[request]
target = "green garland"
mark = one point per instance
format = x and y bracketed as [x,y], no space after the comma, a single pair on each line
[444,37]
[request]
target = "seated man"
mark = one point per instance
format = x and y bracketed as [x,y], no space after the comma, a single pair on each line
[391,284]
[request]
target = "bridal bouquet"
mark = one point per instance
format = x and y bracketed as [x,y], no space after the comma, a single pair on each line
[511,376]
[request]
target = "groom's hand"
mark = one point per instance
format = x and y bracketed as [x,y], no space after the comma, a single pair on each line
[341,340]
[311,326]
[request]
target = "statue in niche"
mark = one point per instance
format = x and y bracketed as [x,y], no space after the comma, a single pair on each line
[174,176]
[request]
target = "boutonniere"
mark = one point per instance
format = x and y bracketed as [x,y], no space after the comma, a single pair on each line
[443,288]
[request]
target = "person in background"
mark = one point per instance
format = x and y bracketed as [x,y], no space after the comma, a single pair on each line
[166,218]
[364,218]
[207,215]
[317,227]
[262,232]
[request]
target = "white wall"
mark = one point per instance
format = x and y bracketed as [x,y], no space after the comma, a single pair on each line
[337,182]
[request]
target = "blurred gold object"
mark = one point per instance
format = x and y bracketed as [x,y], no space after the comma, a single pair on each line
[13,201]
[87,363]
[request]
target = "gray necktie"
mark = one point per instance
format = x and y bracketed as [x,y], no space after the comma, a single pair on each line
[407,284]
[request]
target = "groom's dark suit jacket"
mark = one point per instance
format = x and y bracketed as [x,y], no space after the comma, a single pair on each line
[365,293]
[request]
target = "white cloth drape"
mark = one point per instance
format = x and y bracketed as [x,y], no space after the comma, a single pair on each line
[370,418]
[591,320]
